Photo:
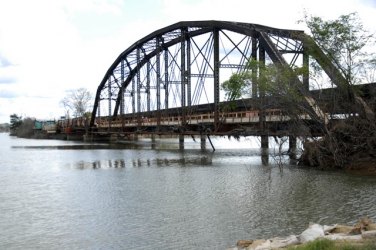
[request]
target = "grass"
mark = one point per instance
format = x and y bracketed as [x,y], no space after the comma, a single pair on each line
[325,244]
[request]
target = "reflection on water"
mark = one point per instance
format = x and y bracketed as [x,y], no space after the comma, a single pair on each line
[162,162]
[68,195]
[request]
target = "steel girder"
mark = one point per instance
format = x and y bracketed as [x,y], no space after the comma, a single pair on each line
[123,78]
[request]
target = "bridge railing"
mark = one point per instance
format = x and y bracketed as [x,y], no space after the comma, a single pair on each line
[251,116]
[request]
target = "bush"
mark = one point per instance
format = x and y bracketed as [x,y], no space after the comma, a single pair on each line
[322,244]
[26,129]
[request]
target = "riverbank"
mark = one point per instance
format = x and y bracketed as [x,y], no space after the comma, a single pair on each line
[320,237]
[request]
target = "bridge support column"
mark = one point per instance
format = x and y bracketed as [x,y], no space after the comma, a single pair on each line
[265,156]
[181,141]
[264,142]
[88,137]
[134,137]
[153,142]
[113,138]
[292,147]
[264,150]
[203,141]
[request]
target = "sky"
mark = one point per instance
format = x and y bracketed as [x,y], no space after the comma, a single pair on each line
[48,47]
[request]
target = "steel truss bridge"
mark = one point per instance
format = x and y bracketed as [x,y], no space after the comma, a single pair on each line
[169,81]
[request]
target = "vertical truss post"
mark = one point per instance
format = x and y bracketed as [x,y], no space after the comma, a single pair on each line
[166,77]
[216,77]
[262,118]
[254,69]
[189,87]
[182,73]
[98,112]
[158,68]
[305,67]
[122,93]
[138,88]
[122,89]
[109,103]
[133,97]
[148,85]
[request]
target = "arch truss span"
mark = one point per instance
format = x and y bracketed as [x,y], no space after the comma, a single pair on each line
[179,68]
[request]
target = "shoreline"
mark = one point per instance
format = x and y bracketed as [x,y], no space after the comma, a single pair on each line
[362,233]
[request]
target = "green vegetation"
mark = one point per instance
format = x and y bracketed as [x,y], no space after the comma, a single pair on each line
[346,42]
[15,122]
[322,244]
[235,86]
[325,244]
[352,141]
[21,127]
[349,144]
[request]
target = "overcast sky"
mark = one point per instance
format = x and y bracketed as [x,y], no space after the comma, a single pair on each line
[50,46]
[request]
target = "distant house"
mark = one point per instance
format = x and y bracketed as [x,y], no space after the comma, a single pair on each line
[48,127]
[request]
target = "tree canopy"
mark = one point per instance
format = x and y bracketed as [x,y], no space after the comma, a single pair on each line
[77,101]
[346,42]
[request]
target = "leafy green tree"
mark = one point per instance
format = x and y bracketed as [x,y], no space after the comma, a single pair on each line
[272,80]
[15,122]
[235,87]
[345,41]
[351,142]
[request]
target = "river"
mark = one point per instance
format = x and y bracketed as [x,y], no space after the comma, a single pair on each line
[71,195]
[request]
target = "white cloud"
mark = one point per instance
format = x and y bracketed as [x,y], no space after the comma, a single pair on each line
[97,6]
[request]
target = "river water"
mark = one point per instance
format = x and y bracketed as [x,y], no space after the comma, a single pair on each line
[69,195]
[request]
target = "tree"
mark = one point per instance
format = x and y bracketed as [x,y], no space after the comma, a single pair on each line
[15,123]
[21,127]
[77,101]
[277,81]
[26,129]
[352,142]
[345,42]
[235,86]
[273,80]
